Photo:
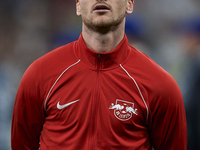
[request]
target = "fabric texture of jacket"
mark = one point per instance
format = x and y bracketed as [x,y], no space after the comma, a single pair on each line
[77,99]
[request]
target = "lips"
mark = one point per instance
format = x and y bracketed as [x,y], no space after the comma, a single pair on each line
[101,8]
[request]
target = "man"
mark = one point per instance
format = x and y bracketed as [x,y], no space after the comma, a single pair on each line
[98,92]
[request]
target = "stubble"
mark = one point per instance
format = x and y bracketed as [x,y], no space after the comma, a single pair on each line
[101,23]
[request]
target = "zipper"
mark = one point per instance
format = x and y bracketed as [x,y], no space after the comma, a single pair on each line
[99,54]
[95,103]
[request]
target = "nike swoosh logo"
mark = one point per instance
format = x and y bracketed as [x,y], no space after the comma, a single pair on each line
[65,105]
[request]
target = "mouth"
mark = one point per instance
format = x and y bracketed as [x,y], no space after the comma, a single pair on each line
[101,8]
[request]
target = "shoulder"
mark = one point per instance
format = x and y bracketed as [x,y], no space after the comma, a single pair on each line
[49,66]
[58,55]
[158,87]
[55,59]
[150,75]
[145,66]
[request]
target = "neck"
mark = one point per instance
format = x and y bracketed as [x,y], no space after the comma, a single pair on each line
[103,40]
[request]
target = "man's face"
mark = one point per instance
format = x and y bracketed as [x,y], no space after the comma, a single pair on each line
[103,13]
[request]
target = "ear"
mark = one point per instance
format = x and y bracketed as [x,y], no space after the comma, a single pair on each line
[129,8]
[78,9]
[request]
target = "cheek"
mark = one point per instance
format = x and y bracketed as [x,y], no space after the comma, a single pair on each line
[85,8]
[121,8]
[120,11]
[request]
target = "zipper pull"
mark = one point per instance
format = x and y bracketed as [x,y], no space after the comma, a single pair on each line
[99,54]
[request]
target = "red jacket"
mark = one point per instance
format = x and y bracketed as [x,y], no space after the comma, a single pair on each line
[74,98]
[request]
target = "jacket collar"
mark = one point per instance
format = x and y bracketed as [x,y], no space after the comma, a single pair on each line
[102,61]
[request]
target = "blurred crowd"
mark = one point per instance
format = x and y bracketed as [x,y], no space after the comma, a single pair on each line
[167,31]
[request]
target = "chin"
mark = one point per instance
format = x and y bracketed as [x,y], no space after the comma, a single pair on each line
[106,23]
[102,23]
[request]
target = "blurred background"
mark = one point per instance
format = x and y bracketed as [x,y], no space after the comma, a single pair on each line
[167,31]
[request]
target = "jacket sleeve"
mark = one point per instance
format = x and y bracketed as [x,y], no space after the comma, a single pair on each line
[167,118]
[28,112]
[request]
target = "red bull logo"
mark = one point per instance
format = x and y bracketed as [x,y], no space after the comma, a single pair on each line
[123,110]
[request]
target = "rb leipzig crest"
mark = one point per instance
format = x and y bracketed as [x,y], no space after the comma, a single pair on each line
[123,110]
